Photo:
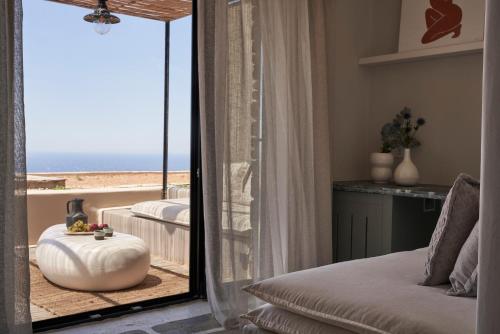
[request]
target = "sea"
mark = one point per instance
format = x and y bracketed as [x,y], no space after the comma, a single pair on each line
[48,162]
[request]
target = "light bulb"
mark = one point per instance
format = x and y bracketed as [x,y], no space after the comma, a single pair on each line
[102,28]
[101,18]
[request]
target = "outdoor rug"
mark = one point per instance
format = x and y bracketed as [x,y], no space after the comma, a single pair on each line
[61,301]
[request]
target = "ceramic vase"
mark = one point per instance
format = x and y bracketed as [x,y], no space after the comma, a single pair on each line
[381,167]
[406,174]
[74,209]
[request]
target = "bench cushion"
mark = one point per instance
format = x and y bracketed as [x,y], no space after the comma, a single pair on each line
[375,295]
[168,210]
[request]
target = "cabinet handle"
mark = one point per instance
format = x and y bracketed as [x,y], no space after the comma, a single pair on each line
[366,237]
[352,224]
[429,205]
[337,238]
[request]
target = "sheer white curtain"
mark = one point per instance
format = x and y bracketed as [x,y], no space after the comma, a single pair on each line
[14,275]
[488,319]
[265,144]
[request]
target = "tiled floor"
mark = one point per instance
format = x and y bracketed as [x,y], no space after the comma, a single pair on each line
[141,322]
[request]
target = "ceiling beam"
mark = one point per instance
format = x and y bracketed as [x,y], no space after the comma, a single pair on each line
[160,10]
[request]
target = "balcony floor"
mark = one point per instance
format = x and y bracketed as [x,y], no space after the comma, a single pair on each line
[50,301]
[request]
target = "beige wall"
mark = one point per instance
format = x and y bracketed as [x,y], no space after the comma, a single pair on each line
[446,91]
[48,207]
[348,87]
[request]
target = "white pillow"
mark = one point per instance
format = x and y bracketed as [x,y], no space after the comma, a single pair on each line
[169,210]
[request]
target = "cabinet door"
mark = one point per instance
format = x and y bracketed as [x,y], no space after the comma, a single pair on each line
[343,235]
[361,225]
[413,223]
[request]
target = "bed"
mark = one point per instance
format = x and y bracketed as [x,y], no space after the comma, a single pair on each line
[164,225]
[375,295]
[167,239]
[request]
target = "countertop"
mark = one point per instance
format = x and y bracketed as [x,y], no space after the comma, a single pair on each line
[431,191]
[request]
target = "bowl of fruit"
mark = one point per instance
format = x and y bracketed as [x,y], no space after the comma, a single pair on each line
[81,228]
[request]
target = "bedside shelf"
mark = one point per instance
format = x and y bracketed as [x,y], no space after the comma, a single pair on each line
[424,54]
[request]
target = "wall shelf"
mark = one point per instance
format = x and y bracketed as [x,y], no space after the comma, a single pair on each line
[424,54]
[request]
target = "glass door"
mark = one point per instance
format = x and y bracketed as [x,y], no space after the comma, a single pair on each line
[111,120]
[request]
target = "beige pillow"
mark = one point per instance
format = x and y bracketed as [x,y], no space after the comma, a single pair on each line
[464,276]
[458,216]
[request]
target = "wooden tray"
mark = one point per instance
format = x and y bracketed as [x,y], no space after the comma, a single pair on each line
[78,233]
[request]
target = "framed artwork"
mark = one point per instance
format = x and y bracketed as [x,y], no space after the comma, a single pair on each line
[432,23]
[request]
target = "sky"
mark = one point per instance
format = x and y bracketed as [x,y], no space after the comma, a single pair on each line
[87,93]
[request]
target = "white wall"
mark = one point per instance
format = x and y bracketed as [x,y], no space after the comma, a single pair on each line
[446,91]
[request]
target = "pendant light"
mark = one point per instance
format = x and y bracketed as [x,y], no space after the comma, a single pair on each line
[101,18]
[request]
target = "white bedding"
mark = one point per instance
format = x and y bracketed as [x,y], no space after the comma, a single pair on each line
[376,295]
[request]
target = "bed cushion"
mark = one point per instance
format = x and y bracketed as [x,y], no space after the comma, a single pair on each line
[177,211]
[169,210]
[375,295]
[464,276]
[458,216]
[277,320]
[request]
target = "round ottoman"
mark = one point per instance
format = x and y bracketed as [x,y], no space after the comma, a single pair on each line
[80,262]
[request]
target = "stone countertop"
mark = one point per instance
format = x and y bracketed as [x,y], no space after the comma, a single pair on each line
[419,191]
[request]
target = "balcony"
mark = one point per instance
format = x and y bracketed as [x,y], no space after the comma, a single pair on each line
[102,192]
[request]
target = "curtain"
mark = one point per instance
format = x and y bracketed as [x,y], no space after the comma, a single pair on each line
[265,144]
[488,320]
[14,275]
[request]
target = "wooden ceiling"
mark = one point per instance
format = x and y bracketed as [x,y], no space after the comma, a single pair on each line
[161,10]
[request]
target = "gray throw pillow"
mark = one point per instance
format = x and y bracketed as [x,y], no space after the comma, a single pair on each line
[458,216]
[464,276]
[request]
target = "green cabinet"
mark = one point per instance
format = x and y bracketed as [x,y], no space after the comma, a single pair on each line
[371,224]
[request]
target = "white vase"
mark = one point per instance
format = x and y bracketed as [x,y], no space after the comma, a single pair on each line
[381,167]
[406,174]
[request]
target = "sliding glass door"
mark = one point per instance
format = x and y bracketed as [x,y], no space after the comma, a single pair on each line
[112,146]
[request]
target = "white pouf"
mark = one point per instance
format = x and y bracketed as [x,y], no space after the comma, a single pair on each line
[82,263]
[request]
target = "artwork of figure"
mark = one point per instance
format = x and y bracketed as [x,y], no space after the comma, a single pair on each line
[443,18]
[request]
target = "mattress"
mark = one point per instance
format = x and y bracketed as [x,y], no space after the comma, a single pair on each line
[272,319]
[235,217]
[252,329]
[375,295]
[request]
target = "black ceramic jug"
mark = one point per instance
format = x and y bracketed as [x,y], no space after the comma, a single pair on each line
[74,208]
